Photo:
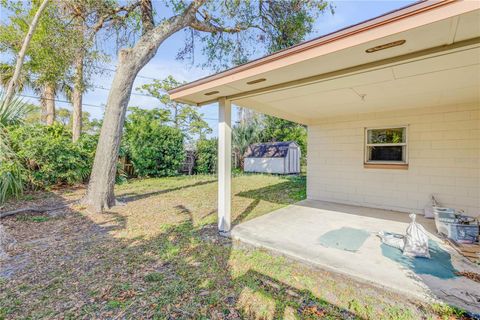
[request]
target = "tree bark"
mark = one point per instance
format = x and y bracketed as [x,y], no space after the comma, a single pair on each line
[77,96]
[100,191]
[13,83]
[48,104]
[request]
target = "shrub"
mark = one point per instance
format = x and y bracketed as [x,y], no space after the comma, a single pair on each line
[11,170]
[206,159]
[49,155]
[156,150]
[11,179]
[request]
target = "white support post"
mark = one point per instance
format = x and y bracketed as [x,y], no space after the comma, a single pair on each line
[224,165]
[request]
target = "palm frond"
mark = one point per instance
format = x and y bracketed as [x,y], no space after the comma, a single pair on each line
[244,134]
[14,112]
[25,80]
[11,170]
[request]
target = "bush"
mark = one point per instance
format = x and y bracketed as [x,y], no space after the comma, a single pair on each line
[49,155]
[11,180]
[206,158]
[156,150]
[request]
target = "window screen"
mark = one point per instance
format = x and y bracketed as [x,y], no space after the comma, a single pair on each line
[386,145]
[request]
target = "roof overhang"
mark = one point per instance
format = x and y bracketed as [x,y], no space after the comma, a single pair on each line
[425,48]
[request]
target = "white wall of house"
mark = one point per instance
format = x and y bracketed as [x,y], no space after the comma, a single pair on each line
[268,165]
[443,156]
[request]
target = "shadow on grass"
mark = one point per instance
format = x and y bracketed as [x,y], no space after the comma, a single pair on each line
[73,267]
[293,189]
[303,303]
[129,197]
[245,213]
[195,279]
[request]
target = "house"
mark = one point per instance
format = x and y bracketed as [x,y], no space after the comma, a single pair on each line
[273,157]
[392,107]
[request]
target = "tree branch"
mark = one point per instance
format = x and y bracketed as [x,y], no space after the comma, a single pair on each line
[112,15]
[207,26]
[147,15]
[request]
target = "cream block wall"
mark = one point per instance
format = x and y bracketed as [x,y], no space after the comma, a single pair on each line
[443,152]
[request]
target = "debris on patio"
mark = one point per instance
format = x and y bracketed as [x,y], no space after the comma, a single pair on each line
[470,275]
[455,225]
[412,249]
[459,231]
[439,265]
[348,239]
[413,244]
[469,251]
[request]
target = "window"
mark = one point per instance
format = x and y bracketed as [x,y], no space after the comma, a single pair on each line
[386,145]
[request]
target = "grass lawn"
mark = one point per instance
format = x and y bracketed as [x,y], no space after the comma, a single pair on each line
[159,256]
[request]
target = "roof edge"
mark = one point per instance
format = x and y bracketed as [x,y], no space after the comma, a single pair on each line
[392,16]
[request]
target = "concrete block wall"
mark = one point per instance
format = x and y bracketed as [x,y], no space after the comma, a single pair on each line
[443,155]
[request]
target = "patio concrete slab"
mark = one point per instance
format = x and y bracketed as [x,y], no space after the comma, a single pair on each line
[343,239]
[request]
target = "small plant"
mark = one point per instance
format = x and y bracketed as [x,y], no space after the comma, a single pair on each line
[11,170]
[33,218]
[447,312]
[153,277]
[113,304]
[11,179]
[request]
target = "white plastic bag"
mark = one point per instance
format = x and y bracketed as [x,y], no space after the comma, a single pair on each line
[416,240]
[394,240]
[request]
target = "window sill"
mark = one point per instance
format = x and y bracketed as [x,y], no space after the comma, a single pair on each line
[398,166]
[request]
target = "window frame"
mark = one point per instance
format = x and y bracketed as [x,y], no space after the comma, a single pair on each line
[366,146]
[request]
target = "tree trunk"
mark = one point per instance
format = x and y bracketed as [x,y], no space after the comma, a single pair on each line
[12,84]
[175,116]
[100,188]
[77,97]
[100,191]
[48,104]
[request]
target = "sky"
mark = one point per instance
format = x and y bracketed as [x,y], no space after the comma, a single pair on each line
[165,63]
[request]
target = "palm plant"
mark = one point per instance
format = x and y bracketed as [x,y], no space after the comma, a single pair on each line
[243,135]
[11,182]
[46,88]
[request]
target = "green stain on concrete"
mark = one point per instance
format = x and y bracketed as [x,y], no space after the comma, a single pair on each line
[348,239]
[439,265]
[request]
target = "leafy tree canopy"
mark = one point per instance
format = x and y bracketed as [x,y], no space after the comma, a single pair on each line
[92,126]
[51,49]
[182,116]
[154,148]
[206,156]
[276,129]
[267,26]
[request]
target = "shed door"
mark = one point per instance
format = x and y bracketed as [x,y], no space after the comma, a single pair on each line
[292,157]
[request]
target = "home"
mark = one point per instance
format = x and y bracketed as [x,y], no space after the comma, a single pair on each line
[392,107]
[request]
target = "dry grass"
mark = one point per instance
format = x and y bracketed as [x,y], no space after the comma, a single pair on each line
[160,257]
